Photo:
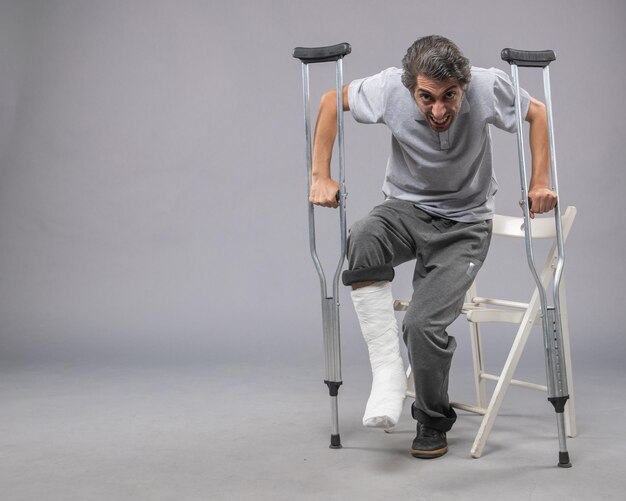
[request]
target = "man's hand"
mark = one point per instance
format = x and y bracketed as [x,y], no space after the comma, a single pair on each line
[543,200]
[324,192]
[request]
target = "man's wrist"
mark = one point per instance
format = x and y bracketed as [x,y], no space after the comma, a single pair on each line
[539,186]
[320,176]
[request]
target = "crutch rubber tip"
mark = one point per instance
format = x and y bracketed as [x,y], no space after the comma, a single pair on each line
[564,460]
[335,442]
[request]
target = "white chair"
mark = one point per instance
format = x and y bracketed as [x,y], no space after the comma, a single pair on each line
[526,315]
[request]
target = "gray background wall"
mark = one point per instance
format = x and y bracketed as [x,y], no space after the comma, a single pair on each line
[152,202]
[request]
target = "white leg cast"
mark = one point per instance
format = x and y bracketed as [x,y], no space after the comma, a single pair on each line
[374,308]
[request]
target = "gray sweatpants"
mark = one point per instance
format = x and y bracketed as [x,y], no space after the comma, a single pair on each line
[448,255]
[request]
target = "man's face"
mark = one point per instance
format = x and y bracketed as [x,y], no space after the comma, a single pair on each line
[439,101]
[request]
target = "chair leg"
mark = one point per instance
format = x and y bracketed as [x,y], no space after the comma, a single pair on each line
[479,368]
[502,385]
[410,385]
[477,354]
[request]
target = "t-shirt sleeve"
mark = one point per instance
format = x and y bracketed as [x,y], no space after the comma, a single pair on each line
[367,98]
[504,102]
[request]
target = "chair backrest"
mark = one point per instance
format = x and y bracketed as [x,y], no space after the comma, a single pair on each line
[543,227]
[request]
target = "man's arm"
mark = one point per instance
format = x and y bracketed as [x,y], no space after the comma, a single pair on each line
[543,198]
[323,188]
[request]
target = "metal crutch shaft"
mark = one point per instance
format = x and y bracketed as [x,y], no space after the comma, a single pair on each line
[551,316]
[330,301]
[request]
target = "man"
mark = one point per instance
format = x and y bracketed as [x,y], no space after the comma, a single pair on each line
[439,187]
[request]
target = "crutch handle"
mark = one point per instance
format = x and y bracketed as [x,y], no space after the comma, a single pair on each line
[322,54]
[528,58]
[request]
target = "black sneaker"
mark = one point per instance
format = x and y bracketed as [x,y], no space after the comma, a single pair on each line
[429,443]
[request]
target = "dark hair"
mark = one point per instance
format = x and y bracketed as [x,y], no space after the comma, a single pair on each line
[435,57]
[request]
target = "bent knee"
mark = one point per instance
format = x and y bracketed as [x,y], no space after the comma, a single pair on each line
[363,233]
[424,332]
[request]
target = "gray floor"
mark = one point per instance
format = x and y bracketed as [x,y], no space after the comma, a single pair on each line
[257,432]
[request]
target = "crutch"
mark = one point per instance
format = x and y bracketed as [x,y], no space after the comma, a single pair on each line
[330,302]
[551,315]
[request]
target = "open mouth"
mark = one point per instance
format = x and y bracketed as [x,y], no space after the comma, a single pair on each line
[440,124]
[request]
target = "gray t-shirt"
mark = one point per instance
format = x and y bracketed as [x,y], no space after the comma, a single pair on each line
[448,174]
